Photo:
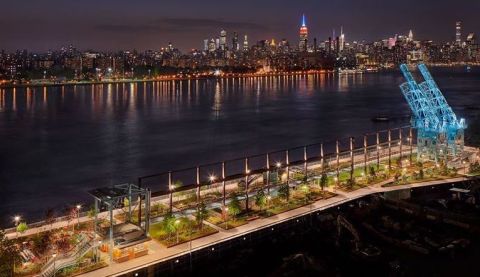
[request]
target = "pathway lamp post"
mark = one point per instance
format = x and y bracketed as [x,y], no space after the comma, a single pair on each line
[79,207]
[278,165]
[16,219]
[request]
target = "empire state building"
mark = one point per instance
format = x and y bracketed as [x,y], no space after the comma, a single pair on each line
[302,45]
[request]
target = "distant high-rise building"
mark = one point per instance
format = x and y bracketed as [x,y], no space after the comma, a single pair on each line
[302,45]
[223,40]
[458,32]
[341,42]
[212,46]
[235,44]
[410,36]
[471,39]
[205,45]
[245,43]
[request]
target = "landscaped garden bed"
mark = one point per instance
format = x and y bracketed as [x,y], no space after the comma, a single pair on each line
[174,231]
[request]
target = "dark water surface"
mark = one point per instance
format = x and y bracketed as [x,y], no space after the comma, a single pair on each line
[57,143]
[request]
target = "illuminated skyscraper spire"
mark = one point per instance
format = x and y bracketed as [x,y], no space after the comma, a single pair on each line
[302,46]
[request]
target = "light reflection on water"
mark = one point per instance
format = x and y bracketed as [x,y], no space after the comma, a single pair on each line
[59,142]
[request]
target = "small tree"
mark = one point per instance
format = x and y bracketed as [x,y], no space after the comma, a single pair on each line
[306,190]
[9,255]
[260,199]
[22,227]
[234,207]
[323,181]
[49,217]
[168,224]
[474,168]
[350,183]
[421,174]
[201,214]
[284,192]
[372,172]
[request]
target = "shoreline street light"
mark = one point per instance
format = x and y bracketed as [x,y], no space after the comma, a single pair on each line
[278,164]
[464,167]
[16,219]
[79,207]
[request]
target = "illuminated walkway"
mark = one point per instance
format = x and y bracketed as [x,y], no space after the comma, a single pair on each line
[160,253]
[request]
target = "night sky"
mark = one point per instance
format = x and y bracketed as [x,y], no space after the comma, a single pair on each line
[151,24]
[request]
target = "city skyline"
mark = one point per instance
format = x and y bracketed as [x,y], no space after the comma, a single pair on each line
[41,27]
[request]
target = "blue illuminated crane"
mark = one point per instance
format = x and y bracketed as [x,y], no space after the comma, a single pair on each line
[440,133]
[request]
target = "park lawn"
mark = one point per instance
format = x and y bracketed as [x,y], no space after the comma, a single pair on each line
[216,219]
[157,233]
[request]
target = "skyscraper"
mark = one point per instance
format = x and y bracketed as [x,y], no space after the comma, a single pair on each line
[223,40]
[205,45]
[410,36]
[302,45]
[341,40]
[235,45]
[458,33]
[245,43]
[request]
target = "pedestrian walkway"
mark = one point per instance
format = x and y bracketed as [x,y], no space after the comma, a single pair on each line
[159,253]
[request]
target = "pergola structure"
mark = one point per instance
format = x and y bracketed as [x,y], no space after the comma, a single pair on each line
[113,198]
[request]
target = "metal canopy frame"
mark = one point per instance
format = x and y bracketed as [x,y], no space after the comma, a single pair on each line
[112,198]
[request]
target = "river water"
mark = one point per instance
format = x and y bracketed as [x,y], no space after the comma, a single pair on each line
[57,143]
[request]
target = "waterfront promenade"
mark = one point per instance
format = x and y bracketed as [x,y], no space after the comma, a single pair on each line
[159,253]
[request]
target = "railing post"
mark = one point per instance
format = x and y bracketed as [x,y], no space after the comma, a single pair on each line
[389,149]
[139,205]
[378,151]
[322,158]
[224,184]
[365,149]
[410,138]
[129,203]
[352,159]
[305,166]
[96,216]
[198,185]
[246,184]
[148,198]
[110,210]
[337,150]
[170,187]
[287,160]
[400,138]
[267,183]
